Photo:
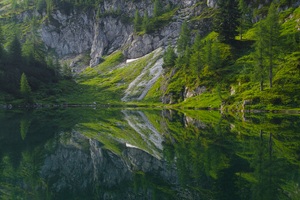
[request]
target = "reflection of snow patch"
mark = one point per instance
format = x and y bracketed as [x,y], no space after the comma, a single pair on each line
[140,123]
[141,85]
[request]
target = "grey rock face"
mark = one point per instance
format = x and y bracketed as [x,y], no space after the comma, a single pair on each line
[109,35]
[79,32]
[142,45]
[68,34]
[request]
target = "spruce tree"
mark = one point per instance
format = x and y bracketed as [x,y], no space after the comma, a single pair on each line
[169,57]
[25,89]
[227,20]
[184,39]
[146,23]
[272,39]
[137,21]
[245,18]
[157,11]
[259,55]
[15,53]
[196,60]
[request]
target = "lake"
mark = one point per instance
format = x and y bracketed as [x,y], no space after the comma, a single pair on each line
[86,153]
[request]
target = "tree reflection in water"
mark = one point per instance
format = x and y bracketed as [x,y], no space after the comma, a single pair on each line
[113,154]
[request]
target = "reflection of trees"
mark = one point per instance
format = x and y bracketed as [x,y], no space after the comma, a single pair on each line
[24,127]
[268,169]
[23,181]
[227,160]
[213,159]
[200,154]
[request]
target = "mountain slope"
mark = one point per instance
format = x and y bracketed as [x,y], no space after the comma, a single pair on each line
[94,39]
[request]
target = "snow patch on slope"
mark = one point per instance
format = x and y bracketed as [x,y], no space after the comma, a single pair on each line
[141,85]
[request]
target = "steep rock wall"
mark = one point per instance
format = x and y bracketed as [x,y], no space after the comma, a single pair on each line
[81,32]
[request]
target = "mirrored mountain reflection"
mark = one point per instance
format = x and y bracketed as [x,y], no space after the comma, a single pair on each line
[163,154]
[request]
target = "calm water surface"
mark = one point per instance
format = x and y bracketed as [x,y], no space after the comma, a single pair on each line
[150,154]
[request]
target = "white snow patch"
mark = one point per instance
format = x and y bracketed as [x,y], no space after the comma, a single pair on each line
[131,60]
[141,85]
[131,146]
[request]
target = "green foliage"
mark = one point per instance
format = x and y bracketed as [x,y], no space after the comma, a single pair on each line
[272,39]
[169,57]
[25,89]
[260,67]
[227,20]
[157,10]
[245,18]
[266,45]
[154,23]
[184,38]
[15,53]
[146,24]
[137,22]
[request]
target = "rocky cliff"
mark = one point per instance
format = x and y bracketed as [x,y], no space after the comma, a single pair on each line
[82,32]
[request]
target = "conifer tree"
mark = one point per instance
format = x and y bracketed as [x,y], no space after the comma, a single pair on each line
[272,39]
[25,88]
[184,39]
[196,60]
[146,23]
[15,53]
[169,57]
[259,55]
[227,20]
[245,18]
[137,21]
[157,11]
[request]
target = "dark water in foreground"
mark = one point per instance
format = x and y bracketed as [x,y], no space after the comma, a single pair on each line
[130,154]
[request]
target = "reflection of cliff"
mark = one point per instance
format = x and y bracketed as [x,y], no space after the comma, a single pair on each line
[141,124]
[81,164]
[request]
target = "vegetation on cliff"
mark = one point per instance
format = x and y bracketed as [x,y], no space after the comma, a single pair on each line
[252,68]
[250,57]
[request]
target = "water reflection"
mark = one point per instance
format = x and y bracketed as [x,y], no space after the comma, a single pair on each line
[130,154]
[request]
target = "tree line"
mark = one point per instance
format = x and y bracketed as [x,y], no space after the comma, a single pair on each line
[205,59]
[26,67]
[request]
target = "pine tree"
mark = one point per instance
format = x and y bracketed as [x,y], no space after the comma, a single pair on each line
[207,51]
[227,20]
[25,88]
[245,18]
[137,21]
[169,57]
[184,39]
[259,55]
[146,23]
[196,60]
[183,60]
[157,11]
[15,53]
[272,39]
